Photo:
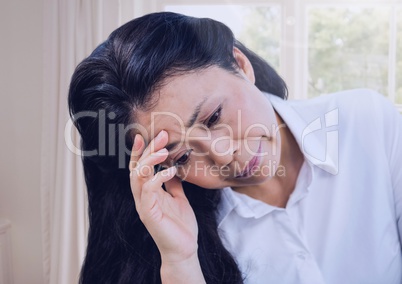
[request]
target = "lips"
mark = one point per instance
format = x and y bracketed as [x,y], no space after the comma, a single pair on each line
[251,165]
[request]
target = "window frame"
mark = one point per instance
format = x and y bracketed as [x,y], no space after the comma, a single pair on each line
[294,34]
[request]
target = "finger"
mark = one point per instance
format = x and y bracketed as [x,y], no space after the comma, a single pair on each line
[175,187]
[164,176]
[145,167]
[153,187]
[157,143]
[142,161]
[155,184]
[136,151]
[139,155]
[136,186]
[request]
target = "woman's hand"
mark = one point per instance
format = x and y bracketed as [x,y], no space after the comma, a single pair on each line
[167,215]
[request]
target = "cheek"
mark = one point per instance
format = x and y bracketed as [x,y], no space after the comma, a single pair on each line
[258,124]
[258,130]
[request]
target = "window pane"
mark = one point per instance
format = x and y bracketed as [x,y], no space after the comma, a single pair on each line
[398,95]
[262,32]
[257,27]
[348,48]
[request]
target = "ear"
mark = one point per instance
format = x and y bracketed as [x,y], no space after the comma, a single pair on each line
[244,64]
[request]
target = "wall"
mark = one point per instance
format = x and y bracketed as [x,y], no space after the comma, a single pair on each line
[21,84]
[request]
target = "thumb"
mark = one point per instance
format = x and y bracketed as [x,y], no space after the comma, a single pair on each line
[174,187]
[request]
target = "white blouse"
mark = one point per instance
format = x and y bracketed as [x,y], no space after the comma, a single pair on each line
[342,223]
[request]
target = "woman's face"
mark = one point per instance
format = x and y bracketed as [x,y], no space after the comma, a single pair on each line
[222,131]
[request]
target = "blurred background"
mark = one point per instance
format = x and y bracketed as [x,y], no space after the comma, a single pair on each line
[317,46]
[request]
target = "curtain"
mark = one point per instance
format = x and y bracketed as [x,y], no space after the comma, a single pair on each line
[72,29]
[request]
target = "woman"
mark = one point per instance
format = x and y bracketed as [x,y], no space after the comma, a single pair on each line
[248,188]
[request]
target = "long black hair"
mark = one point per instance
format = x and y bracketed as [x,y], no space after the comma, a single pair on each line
[107,88]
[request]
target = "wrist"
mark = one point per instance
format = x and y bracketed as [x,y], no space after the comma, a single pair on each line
[185,270]
[178,260]
[190,253]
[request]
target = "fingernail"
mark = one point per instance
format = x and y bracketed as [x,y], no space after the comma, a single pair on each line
[160,134]
[161,151]
[136,144]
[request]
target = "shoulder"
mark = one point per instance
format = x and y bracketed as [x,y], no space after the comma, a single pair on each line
[352,99]
[362,114]
[356,105]
[360,100]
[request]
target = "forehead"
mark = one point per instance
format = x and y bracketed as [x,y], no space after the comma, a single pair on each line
[175,103]
[179,96]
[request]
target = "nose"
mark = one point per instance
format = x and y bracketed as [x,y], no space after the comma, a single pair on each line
[222,150]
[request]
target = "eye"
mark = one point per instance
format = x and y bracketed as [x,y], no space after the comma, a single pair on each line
[214,118]
[184,158]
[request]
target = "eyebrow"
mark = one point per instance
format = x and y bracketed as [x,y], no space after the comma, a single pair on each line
[196,112]
[190,123]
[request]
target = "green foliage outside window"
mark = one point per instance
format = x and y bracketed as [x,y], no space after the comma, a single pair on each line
[262,32]
[347,48]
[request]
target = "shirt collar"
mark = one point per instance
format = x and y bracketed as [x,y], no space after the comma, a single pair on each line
[248,207]
[244,205]
[311,145]
[319,148]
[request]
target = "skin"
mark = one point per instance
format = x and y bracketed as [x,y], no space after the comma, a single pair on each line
[236,127]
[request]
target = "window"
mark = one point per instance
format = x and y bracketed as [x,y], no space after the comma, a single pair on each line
[347,48]
[258,27]
[318,46]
